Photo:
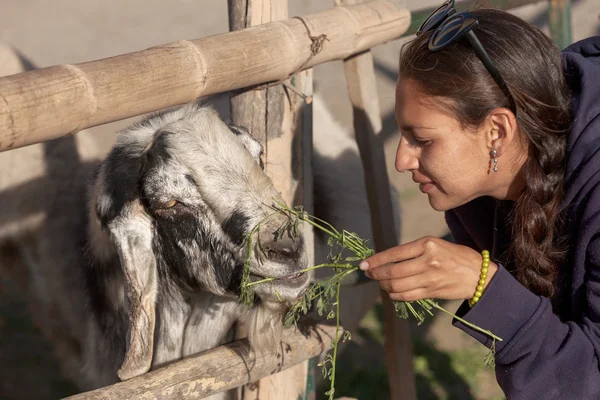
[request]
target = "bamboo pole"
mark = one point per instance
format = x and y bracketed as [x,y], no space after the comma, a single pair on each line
[60,100]
[362,90]
[217,370]
[277,116]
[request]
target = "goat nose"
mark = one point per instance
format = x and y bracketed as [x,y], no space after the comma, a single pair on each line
[286,251]
[283,248]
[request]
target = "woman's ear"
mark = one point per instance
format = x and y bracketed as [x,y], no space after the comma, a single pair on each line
[501,130]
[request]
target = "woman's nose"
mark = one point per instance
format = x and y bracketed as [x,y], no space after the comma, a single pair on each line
[406,157]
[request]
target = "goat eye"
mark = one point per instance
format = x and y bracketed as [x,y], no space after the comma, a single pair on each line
[166,204]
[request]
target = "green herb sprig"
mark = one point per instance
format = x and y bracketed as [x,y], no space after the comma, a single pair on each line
[327,291]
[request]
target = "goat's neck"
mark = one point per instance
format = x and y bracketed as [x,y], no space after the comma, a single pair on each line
[212,318]
[204,320]
[188,324]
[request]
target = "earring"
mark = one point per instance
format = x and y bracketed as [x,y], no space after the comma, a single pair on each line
[495,159]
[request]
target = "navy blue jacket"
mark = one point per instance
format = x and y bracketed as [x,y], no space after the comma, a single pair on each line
[550,347]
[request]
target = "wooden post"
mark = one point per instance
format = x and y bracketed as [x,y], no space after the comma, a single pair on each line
[360,78]
[280,117]
[362,89]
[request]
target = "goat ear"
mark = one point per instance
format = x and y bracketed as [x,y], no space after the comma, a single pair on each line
[132,235]
[252,145]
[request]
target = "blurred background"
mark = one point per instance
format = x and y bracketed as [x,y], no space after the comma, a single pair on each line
[448,364]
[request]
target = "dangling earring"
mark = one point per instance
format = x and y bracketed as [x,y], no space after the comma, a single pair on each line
[495,159]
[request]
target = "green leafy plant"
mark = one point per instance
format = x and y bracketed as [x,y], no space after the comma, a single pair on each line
[347,249]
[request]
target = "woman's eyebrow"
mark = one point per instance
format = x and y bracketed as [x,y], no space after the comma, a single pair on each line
[409,127]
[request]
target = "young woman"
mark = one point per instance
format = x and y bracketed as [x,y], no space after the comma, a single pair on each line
[502,132]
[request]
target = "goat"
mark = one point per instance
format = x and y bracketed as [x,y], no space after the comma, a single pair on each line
[89,268]
[162,247]
[169,212]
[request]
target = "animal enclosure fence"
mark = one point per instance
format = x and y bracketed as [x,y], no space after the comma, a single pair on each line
[265,61]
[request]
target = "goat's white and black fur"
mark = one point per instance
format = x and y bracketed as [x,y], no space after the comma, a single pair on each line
[170,209]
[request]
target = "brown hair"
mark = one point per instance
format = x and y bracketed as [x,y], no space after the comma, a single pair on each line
[530,64]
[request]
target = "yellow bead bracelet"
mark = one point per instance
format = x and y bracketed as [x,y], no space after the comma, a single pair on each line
[485,263]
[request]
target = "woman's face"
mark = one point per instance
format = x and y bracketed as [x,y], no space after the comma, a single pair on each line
[450,164]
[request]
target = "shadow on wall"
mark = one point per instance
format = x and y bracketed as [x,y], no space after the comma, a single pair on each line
[28,367]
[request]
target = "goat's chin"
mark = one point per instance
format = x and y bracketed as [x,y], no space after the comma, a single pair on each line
[284,290]
[265,321]
[265,324]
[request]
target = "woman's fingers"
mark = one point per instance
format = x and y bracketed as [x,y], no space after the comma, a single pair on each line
[395,254]
[412,295]
[396,270]
[405,284]
[427,268]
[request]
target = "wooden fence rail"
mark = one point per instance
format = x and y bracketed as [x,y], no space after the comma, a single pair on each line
[56,101]
[217,370]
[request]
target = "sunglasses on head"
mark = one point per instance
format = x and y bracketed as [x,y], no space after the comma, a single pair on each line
[449,26]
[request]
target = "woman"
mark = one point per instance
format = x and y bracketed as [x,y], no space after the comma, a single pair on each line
[502,132]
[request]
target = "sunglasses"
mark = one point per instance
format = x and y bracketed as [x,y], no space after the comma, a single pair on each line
[449,26]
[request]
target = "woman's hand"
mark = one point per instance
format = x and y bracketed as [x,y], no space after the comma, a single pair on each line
[427,268]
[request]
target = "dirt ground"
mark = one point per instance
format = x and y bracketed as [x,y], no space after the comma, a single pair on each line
[71,31]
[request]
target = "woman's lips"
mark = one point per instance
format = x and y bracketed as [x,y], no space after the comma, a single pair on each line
[426,187]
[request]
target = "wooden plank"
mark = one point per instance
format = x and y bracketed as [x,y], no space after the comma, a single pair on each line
[277,117]
[217,370]
[56,101]
[360,79]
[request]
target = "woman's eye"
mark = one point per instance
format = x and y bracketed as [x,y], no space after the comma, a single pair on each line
[414,140]
[420,142]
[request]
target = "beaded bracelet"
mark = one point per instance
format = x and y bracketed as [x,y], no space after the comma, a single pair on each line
[485,263]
